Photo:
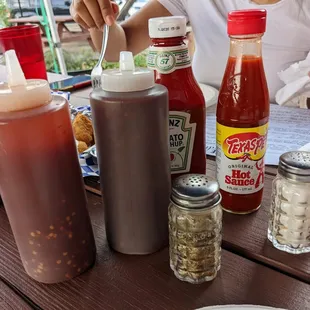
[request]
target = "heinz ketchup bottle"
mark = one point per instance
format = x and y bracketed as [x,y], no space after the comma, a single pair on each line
[170,59]
[242,115]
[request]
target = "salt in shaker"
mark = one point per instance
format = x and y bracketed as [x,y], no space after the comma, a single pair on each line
[289,224]
[195,226]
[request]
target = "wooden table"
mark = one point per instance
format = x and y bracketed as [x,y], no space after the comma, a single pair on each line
[252,272]
[66,34]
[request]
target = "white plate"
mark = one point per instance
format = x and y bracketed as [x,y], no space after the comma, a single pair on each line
[239,307]
[93,151]
[210,94]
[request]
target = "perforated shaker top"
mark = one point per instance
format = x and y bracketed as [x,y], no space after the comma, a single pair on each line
[195,191]
[295,166]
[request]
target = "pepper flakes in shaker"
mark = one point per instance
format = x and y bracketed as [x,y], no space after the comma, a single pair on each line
[289,223]
[195,228]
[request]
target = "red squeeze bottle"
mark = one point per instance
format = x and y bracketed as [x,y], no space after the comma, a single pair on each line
[170,59]
[242,115]
[40,180]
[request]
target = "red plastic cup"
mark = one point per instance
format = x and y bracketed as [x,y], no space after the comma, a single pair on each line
[26,41]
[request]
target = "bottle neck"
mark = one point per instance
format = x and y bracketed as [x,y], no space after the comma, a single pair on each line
[168,42]
[183,74]
[246,45]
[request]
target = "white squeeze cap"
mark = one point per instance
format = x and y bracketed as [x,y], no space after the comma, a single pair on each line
[167,27]
[126,61]
[15,73]
[20,94]
[127,78]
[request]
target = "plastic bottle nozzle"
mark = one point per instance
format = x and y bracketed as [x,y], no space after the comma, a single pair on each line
[127,78]
[15,74]
[126,61]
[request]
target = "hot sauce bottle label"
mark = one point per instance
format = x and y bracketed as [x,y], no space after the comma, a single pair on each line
[181,141]
[240,158]
[168,59]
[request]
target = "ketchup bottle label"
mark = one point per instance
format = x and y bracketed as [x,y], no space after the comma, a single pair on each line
[181,139]
[240,158]
[168,59]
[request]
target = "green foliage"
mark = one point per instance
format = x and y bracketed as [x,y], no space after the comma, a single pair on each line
[141,60]
[75,61]
[86,59]
[4,14]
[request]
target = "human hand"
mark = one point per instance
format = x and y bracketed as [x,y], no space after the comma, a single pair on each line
[94,13]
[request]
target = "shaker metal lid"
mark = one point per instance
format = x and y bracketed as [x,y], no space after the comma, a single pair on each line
[195,191]
[295,166]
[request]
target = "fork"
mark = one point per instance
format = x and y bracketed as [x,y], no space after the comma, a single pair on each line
[97,70]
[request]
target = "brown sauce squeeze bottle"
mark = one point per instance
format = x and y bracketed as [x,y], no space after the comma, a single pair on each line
[130,115]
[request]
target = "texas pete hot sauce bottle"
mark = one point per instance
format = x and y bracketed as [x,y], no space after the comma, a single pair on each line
[170,59]
[242,115]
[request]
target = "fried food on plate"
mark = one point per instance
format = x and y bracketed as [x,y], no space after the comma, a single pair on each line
[81,146]
[83,129]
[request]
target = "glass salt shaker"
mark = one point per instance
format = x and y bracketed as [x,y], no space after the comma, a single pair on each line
[195,228]
[289,223]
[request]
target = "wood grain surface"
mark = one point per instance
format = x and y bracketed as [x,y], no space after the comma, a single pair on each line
[252,272]
[246,235]
[146,282]
[9,300]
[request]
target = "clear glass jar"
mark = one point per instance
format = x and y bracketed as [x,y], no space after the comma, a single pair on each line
[195,228]
[289,223]
[242,115]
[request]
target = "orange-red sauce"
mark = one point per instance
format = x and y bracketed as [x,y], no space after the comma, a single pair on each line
[185,95]
[243,103]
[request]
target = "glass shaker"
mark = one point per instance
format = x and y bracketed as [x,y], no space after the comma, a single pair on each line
[195,228]
[40,180]
[289,224]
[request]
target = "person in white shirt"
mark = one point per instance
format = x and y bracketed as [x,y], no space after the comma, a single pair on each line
[286,41]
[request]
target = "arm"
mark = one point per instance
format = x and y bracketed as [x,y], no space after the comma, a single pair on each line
[131,35]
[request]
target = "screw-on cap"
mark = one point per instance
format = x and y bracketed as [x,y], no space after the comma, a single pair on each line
[295,166]
[195,191]
[167,27]
[127,78]
[243,22]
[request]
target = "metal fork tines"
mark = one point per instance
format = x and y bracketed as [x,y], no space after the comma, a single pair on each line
[97,70]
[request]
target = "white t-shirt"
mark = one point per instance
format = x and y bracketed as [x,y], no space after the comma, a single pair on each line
[287,38]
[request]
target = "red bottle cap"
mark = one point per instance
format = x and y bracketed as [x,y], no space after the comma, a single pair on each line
[246,22]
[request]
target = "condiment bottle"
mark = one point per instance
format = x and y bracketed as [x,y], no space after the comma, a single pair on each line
[40,180]
[130,117]
[242,115]
[195,228]
[170,59]
[289,224]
